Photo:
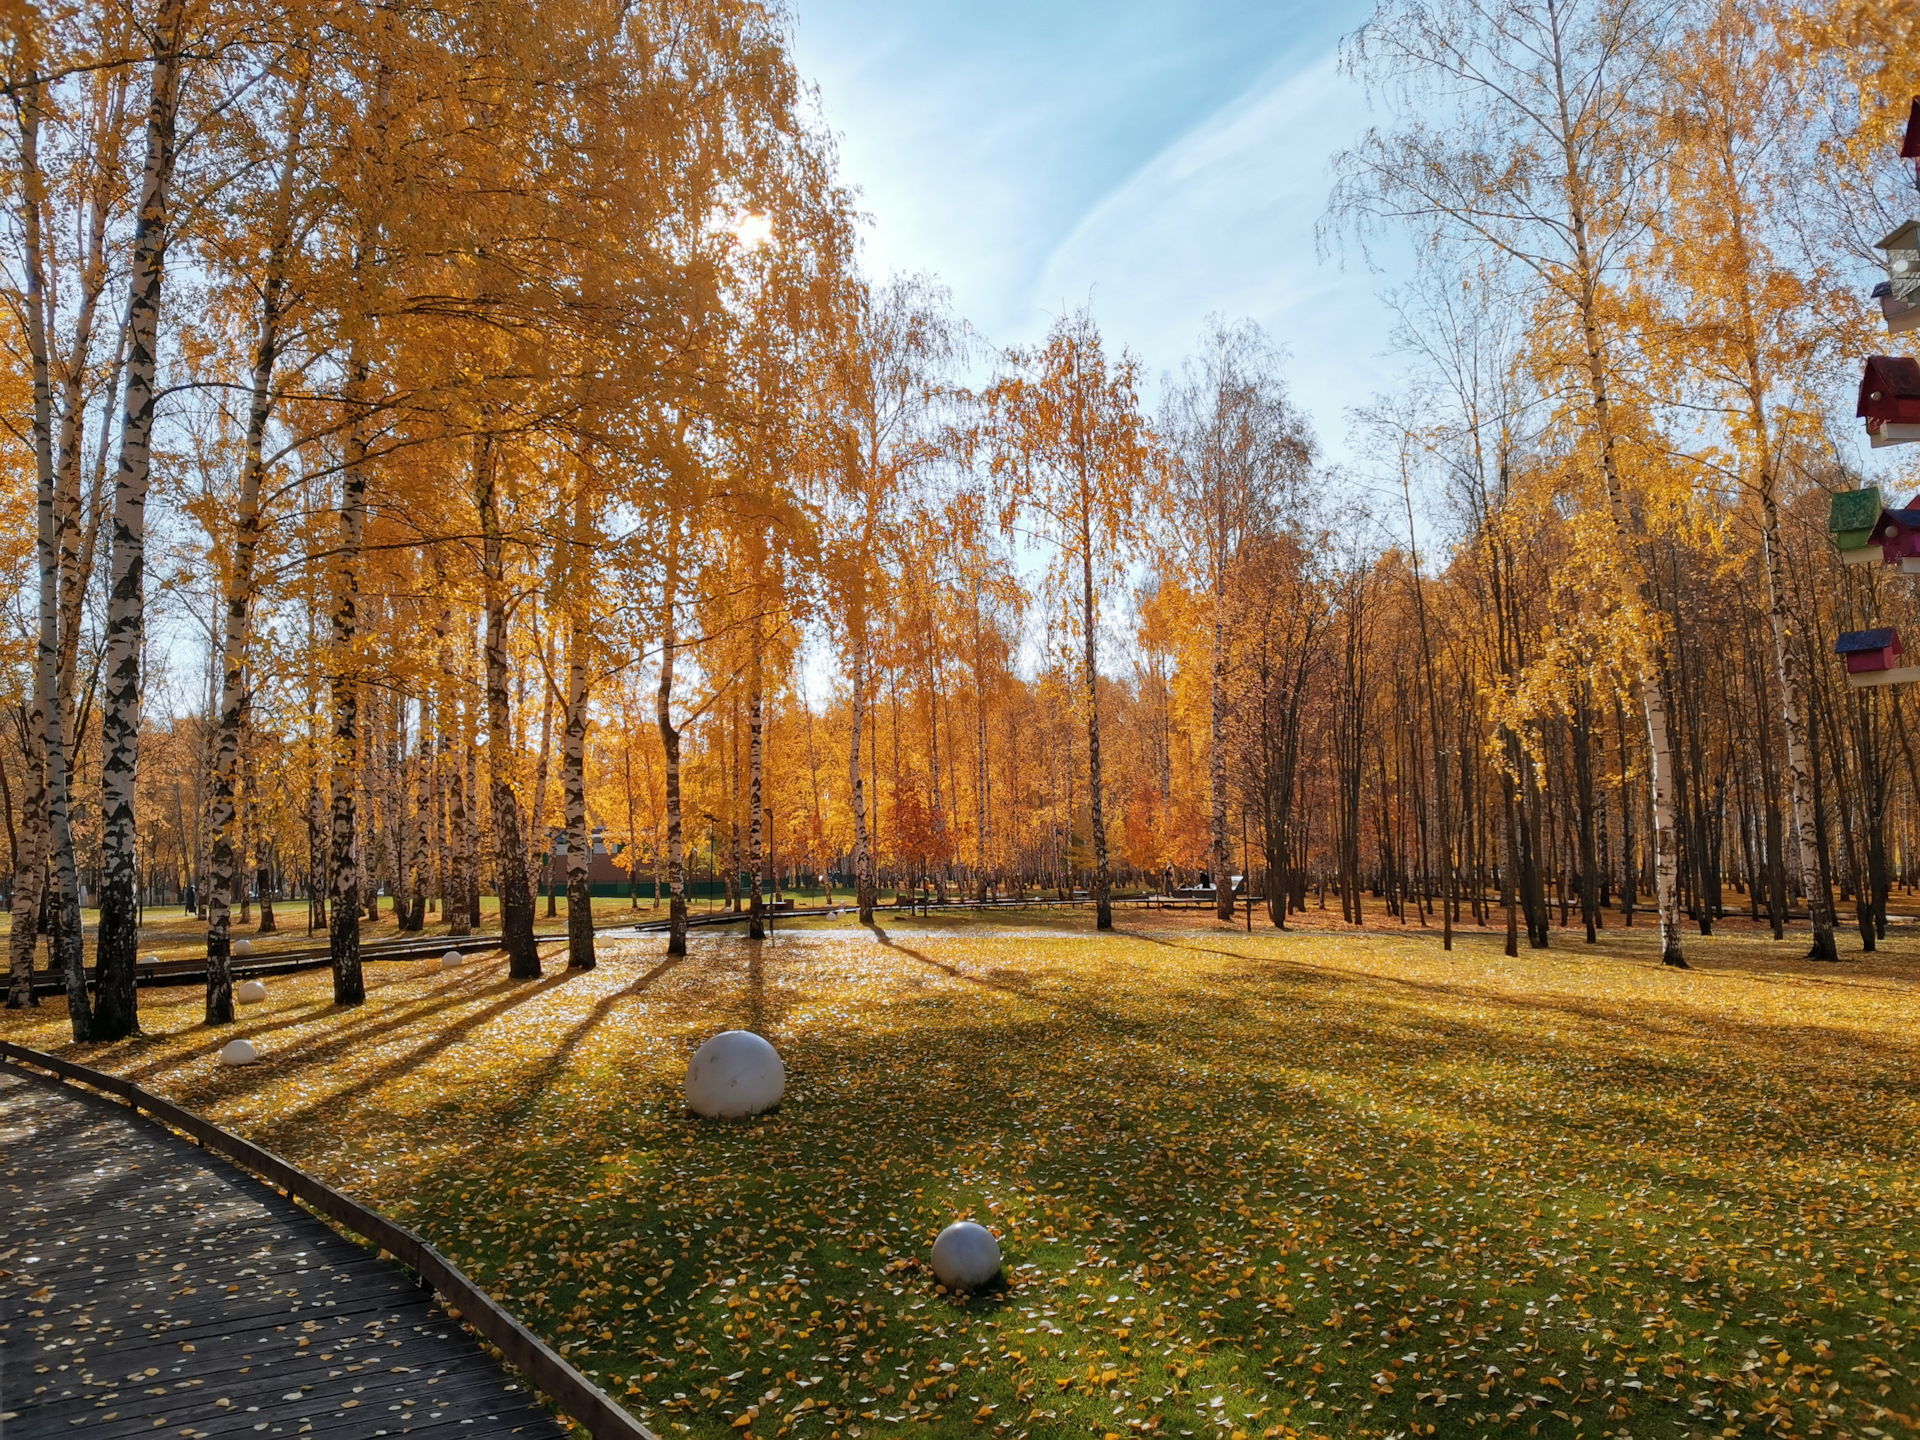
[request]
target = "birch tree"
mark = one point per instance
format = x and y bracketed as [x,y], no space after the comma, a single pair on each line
[1238,452]
[1527,130]
[1074,456]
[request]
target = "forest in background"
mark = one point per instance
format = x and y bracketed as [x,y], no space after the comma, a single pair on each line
[442,436]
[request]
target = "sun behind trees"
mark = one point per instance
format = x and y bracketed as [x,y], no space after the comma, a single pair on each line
[507,477]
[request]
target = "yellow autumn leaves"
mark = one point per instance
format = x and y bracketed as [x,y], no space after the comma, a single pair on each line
[1309,1183]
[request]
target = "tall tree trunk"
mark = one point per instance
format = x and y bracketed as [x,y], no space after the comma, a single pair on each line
[1786,655]
[44,717]
[455,909]
[1217,745]
[29,882]
[540,845]
[864,885]
[1582,737]
[509,847]
[670,744]
[756,858]
[343,857]
[246,539]
[573,764]
[117,946]
[1096,811]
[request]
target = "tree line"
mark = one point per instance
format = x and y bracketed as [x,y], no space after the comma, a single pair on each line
[534,469]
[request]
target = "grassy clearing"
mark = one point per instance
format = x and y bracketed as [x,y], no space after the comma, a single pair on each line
[1319,1183]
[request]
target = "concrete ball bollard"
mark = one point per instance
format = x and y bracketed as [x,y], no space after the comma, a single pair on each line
[965,1256]
[242,949]
[249,991]
[735,1073]
[238,1052]
[450,959]
[149,959]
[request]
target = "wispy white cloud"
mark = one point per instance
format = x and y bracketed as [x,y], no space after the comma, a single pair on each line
[1223,220]
[1169,161]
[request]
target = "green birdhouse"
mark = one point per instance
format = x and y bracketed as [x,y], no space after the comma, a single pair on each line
[1851,516]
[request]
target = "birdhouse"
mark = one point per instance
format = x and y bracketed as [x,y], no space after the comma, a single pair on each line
[1890,400]
[1872,657]
[1899,293]
[1897,533]
[1900,315]
[1851,517]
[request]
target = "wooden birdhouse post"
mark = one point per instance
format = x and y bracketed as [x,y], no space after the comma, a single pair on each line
[1852,516]
[1873,658]
[1890,400]
[1899,293]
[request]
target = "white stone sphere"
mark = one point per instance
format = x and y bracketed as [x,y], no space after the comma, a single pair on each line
[250,990]
[735,1073]
[965,1256]
[452,957]
[238,1052]
[149,959]
[242,949]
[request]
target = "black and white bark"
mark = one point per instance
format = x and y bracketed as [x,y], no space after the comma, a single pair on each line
[670,744]
[573,763]
[510,853]
[225,872]
[117,946]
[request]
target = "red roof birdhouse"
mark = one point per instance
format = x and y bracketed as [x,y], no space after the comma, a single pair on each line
[1890,389]
[1890,399]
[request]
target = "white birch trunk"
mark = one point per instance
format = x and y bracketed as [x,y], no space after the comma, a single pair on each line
[1786,657]
[756,860]
[670,744]
[509,848]
[1217,756]
[573,764]
[863,874]
[234,638]
[118,943]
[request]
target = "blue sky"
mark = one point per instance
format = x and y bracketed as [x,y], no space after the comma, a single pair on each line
[1166,160]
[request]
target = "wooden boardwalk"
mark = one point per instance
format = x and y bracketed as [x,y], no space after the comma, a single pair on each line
[149,1288]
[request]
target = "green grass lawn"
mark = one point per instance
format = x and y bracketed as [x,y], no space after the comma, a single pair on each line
[1315,1183]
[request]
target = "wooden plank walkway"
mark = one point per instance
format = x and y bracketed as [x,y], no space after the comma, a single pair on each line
[148,1288]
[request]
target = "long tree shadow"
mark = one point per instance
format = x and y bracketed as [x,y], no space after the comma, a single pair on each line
[445,1039]
[885,939]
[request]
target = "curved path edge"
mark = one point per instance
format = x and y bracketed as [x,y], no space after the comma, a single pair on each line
[570,1391]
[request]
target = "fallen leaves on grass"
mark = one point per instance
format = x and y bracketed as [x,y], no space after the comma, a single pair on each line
[1246,1186]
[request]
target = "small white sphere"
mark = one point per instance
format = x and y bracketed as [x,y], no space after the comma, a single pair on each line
[735,1073]
[250,990]
[242,949]
[149,959]
[452,957]
[238,1052]
[965,1256]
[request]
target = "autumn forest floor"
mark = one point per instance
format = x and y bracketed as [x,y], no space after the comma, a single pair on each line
[1321,1182]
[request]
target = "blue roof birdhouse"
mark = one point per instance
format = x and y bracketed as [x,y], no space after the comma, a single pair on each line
[1872,657]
